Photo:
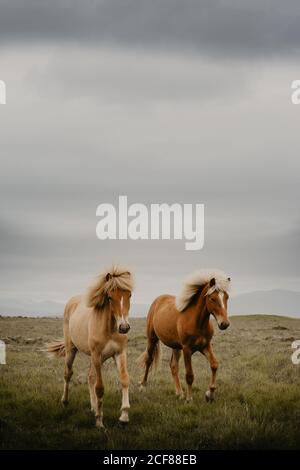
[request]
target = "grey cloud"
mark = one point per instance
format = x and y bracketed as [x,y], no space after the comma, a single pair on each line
[125,77]
[251,28]
[79,130]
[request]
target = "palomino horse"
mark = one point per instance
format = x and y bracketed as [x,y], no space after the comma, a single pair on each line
[96,324]
[184,324]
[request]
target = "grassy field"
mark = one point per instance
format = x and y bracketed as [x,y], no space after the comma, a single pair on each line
[257,402]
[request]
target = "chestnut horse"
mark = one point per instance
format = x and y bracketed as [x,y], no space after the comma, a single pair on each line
[184,324]
[97,324]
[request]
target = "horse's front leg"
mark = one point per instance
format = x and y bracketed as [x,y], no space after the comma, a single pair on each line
[189,375]
[99,388]
[92,382]
[209,354]
[121,361]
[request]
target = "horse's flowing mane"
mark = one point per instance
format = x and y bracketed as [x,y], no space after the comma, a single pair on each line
[116,277]
[199,279]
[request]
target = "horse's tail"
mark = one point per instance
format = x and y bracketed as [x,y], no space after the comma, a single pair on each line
[156,355]
[150,358]
[56,348]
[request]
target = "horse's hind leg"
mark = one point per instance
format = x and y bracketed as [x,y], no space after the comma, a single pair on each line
[70,350]
[209,354]
[70,356]
[174,366]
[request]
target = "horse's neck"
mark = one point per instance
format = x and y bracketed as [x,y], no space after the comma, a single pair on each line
[201,311]
[107,320]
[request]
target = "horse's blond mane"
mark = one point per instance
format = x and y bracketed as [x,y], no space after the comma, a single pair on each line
[199,279]
[116,277]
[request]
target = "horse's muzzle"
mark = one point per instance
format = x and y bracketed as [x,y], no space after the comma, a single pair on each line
[124,328]
[223,325]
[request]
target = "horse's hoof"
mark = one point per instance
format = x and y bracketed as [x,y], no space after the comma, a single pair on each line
[189,400]
[209,397]
[180,396]
[142,388]
[64,402]
[100,425]
[123,424]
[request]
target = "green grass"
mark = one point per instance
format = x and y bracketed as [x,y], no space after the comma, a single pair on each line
[257,402]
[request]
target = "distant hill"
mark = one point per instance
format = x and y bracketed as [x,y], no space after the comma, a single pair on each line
[11,307]
[277,302]
[139,310]
[14,308]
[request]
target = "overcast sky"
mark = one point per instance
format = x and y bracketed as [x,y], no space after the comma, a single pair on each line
[163,101]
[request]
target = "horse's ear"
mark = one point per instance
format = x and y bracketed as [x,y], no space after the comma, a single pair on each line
[212,282]
[108,276]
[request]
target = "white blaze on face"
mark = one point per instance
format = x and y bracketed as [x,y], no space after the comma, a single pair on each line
[121,319]
[221,297]
[121,305]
